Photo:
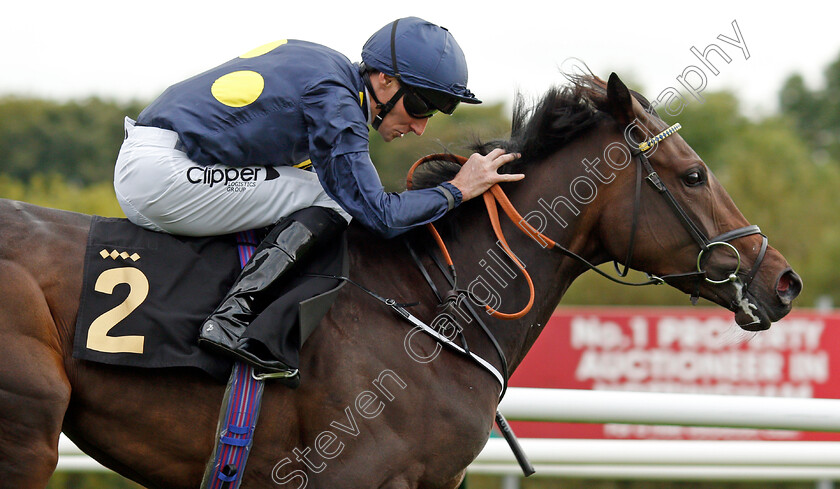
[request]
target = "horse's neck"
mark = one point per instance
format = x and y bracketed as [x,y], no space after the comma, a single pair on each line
[484,268]
[478,255]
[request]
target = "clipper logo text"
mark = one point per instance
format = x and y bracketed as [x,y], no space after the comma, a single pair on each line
[234,179]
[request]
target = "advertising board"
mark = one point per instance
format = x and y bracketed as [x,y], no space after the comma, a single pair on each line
[681,350]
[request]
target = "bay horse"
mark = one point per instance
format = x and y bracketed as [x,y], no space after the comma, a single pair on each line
[369,412]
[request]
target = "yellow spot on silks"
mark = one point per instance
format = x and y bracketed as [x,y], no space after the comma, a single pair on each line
[238,89]
[265,48]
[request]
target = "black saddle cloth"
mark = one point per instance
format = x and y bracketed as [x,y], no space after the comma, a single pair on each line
[146,294]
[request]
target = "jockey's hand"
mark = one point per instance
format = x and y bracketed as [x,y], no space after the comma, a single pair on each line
[480,173]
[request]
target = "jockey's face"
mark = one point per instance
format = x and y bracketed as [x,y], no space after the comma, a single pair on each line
[397,122]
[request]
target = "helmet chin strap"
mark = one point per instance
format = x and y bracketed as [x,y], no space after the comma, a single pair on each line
[385,108]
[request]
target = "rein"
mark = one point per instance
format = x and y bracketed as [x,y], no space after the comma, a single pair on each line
[495,197]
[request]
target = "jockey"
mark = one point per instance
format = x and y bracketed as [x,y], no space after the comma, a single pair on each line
[279,137]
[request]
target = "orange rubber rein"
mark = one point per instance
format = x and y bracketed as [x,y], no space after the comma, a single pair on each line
[493,198]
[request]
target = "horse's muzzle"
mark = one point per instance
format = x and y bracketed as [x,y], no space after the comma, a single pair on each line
[752,314]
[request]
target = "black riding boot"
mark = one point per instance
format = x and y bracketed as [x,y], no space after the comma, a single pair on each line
[259,284]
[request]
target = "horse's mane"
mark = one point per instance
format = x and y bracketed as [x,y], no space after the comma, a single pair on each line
[562,115]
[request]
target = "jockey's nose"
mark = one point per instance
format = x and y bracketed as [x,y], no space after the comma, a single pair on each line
[418,126]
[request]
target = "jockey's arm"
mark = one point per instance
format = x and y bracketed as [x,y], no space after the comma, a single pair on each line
[351,180]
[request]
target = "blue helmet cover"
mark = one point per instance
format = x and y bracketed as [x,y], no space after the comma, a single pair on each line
[427,57]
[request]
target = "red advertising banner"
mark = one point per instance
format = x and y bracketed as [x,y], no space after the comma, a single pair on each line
[681,350]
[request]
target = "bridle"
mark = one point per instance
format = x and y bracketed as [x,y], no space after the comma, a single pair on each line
[696,233]
[495,197]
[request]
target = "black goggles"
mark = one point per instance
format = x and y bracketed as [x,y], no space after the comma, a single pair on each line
[423,103]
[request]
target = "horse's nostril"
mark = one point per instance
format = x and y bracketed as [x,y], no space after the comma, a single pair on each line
[788,286]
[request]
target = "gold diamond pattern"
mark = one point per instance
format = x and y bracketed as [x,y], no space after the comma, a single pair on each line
[114,254]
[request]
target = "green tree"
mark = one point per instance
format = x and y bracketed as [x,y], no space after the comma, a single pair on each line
[78,140]
[816,112]
[54,191]
[61,155]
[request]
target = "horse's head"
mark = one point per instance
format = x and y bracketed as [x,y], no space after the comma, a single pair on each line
[637,195]
[666,214]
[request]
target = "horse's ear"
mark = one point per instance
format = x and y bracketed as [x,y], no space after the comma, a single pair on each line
[620,101]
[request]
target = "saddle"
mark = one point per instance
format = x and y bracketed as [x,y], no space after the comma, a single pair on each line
[145,295]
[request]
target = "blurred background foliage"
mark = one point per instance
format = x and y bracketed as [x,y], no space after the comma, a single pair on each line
[781,169]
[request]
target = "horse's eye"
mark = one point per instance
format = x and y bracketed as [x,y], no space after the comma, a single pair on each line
[694,178]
